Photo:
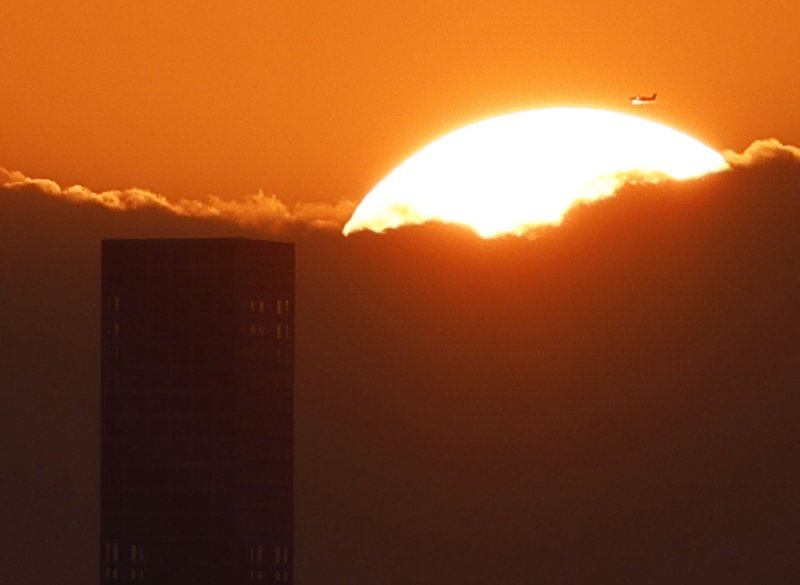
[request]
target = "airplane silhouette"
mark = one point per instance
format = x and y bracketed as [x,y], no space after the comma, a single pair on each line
[641,100]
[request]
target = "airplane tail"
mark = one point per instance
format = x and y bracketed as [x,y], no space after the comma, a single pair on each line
[654,96]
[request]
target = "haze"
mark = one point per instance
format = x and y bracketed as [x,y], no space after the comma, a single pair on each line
[613,401]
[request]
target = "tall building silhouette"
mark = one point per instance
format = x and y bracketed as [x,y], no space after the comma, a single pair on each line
[197,411]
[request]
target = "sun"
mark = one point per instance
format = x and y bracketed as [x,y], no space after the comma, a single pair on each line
[509,174]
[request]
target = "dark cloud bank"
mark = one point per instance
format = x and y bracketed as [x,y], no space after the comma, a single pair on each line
[614,401]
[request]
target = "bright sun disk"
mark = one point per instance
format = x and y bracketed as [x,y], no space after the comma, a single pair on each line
[511,173]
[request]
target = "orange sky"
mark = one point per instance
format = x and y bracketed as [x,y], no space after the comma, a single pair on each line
[318,100]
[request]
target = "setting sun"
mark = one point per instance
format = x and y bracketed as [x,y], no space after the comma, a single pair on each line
[511,173]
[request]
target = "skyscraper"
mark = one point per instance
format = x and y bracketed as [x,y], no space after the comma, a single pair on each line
[197,411]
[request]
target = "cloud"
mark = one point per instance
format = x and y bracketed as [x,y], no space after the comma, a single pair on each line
[762,151]
[627,382]
[269,213]
[258,210]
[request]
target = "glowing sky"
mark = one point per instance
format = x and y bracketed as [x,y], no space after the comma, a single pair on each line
[317,100]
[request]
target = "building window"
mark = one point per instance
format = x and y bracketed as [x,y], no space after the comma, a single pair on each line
[116,303]
[260,575]
[115,328]
[260,553]
[115,556]
[281,331]
[133,552]
[260,306]
[277,576]
[108,551]
[133,574]
[285,554]
[277,554]
[253,306]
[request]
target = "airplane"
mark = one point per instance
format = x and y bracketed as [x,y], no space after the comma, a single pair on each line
[642,100]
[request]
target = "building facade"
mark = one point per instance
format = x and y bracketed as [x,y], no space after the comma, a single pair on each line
[197,411]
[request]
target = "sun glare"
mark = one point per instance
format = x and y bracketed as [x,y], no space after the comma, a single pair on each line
[508,174]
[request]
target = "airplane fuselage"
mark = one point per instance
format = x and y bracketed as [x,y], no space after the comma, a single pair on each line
[640,100]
